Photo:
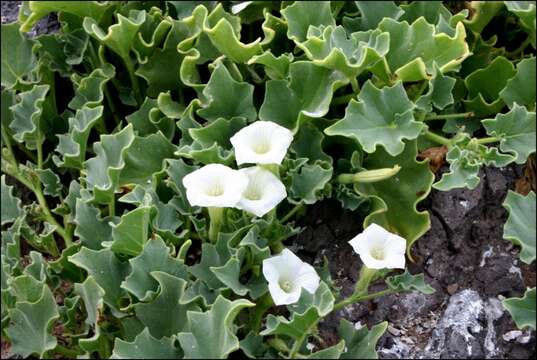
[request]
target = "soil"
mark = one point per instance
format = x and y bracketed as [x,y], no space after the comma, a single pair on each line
[463,256]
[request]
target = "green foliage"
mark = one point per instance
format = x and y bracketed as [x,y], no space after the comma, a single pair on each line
[102,120]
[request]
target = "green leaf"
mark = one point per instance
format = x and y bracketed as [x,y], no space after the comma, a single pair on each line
[308,93]
[322,301]
[92,295]
[50,181]
[132,232]
[439,93]
[90,227]
[520,225]
[331,48]
[211,334]
[516,131]
[520,89]
[36,10]
[483,12]
[372,13]
[11,205]
[155,257]
[525,10]
[107,271]
[308,183]
[484,86]
[166,314]
[522,309]
[212,256]
[227,98]
[26,124]
[308,143]
[409,282]
[121,36]
[416,47]
[295,328]
[72,145]
[177,170]
[332,352]
[360,343]
[17,57]
[103,171]
[32,318]
[398,194]
[89,90]
[147,347]
[380,117]
[276,68]
[465,160]
[229,275]
[300,16]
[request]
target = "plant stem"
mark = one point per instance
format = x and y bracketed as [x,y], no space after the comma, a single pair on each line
[366,275]
[437,138]
[353,299]
[216,215]
[343,99]
[298,343]
[263,304]
[134,81]
[112,206]
[292,212]
[449,116]
[488,140]
[520,49]
[67,353]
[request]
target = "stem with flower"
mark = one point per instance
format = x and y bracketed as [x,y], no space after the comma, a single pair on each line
[216,217]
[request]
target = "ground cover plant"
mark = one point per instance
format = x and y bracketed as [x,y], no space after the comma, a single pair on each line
[158,157]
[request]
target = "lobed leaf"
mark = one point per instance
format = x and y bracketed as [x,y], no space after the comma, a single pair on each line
[520,225]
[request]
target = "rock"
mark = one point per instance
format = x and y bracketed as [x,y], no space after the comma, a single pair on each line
[452,288]
[512,335]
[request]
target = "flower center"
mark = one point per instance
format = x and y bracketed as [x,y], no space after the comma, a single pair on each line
[261,147]
[377,253]
[215,189]
[252,194]
[286,285]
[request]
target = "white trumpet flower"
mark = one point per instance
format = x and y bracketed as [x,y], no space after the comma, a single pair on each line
[262,142]
[379,248]
[215,185]
[263,193]
[287,275]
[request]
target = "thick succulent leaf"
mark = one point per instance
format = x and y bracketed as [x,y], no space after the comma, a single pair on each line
[18,59]
[72,145]
[212,256]
[332,352]
[155,257]
[26,124]
[415,48]
[211,334]
[227,98]
[484,86]
[229,275]
[516,131]
[300,16]
[322,301]
[32,318]
[132,232]
[295,328]
[308,143]
[90,227]
[380,117]
[36,10]
[120,37]
[308,93]
[520,89]
[147,347]
[522,309]
[51,182]
[309,181]
[166,314]
[525,10]
[89,90]
[333,49]
[432,11]
[360,343]
[394,200]
[176,170]
[409,282]
[11,205]
[92,295]
[276,68]
[372,13]
[107,271]
[439,93]
[465,161]
[483,12]
[104,169]
[520,226]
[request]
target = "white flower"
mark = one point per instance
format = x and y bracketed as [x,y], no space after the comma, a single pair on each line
[262,142]
[215,185]
[263,193]
[287,275]
[379,248]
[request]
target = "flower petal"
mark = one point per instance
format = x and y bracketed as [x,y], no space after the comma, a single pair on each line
[308,278]
[263,193]
[281,297]
[262,142]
